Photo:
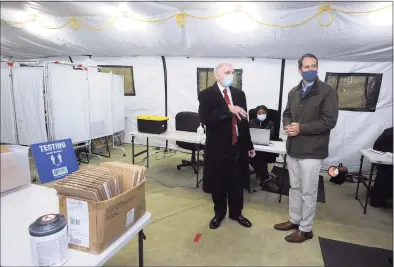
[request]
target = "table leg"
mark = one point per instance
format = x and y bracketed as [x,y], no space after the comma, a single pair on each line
[132,148]
[141,238]
[147,152]
[359,175]
[198,164]
[369,188]
[280,190]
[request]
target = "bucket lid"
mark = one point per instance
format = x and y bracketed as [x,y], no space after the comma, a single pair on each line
[152,118]
[47,225]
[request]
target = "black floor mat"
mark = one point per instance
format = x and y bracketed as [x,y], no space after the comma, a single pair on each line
[284,176]
[338,254]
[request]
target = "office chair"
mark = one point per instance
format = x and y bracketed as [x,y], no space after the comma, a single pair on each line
[274,116]
[189,122]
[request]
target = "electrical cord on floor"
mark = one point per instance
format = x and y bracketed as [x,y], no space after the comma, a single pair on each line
[168,186]
[159,154]
[352,177]
[165,154]
[176,213]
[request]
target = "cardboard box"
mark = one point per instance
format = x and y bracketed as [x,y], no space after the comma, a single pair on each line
[15,168]
[95,225]
[4,149]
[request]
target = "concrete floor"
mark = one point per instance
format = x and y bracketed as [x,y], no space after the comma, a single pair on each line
[180,212]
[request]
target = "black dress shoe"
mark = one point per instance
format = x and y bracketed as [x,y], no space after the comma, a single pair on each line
[242,221]
[215,222]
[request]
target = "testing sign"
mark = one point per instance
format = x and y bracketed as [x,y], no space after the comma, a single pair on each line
[54,160]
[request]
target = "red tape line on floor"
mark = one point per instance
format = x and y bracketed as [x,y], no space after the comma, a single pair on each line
[197,238]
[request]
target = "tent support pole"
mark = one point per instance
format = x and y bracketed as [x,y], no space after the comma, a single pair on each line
[11,76]
[282,77]
[163,59]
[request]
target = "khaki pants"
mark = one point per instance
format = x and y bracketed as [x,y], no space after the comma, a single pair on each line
[304,181]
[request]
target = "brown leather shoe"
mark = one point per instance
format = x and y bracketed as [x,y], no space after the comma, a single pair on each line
[286,226]
[299,237]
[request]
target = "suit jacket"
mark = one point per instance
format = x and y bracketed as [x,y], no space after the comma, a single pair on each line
[317,114]
[217,118]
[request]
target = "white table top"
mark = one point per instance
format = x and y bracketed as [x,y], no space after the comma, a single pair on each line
[376,158]
[277,147]
[22,207]
[182,136]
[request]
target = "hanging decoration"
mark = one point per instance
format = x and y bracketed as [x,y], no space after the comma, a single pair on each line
[180,19]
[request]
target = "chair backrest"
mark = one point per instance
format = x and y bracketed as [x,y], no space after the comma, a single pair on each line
[272,115]
[189,122]
[252,114]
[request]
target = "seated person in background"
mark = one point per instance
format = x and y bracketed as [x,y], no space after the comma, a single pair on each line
[259,162]
[382,190]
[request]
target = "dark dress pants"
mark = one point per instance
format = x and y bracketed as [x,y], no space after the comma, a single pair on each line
[382,190]
[233,195]
[260,166]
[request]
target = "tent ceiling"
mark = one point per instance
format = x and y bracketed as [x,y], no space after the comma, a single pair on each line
[349,37]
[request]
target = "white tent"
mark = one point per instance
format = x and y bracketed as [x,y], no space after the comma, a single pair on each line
[173,39]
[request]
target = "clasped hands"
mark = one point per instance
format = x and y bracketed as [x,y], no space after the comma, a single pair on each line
[293,129]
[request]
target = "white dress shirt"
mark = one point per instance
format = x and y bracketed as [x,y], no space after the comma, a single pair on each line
[304,87]
[221,87]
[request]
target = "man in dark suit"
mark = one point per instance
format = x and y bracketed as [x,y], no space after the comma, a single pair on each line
[228,145]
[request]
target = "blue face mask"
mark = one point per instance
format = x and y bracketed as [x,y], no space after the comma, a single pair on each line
[228,80]
[309,75]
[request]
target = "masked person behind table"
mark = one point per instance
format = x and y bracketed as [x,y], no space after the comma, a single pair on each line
[259,162]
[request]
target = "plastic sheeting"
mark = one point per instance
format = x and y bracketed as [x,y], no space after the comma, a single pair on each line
[29,105]
[70,103]
[350,37]
[149,90]
[117,101]
[8,131]
[354,130]
[101,120]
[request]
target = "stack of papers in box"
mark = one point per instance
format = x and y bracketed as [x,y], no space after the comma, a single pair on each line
[101,183]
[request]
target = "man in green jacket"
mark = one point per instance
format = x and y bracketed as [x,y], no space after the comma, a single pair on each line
[310,114]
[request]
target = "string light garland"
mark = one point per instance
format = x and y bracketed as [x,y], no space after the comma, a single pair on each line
[181,19]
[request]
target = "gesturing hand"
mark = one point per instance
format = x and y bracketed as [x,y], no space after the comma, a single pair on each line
[238,111]
[251,153]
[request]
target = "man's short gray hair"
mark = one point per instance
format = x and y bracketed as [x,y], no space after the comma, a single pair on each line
[220,65]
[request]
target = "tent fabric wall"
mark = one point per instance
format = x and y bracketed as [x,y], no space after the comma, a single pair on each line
[117,103]
[8,131]
[354,130]
[70,103]
[101,121]
[149,89]
[29,105]
[261,82]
